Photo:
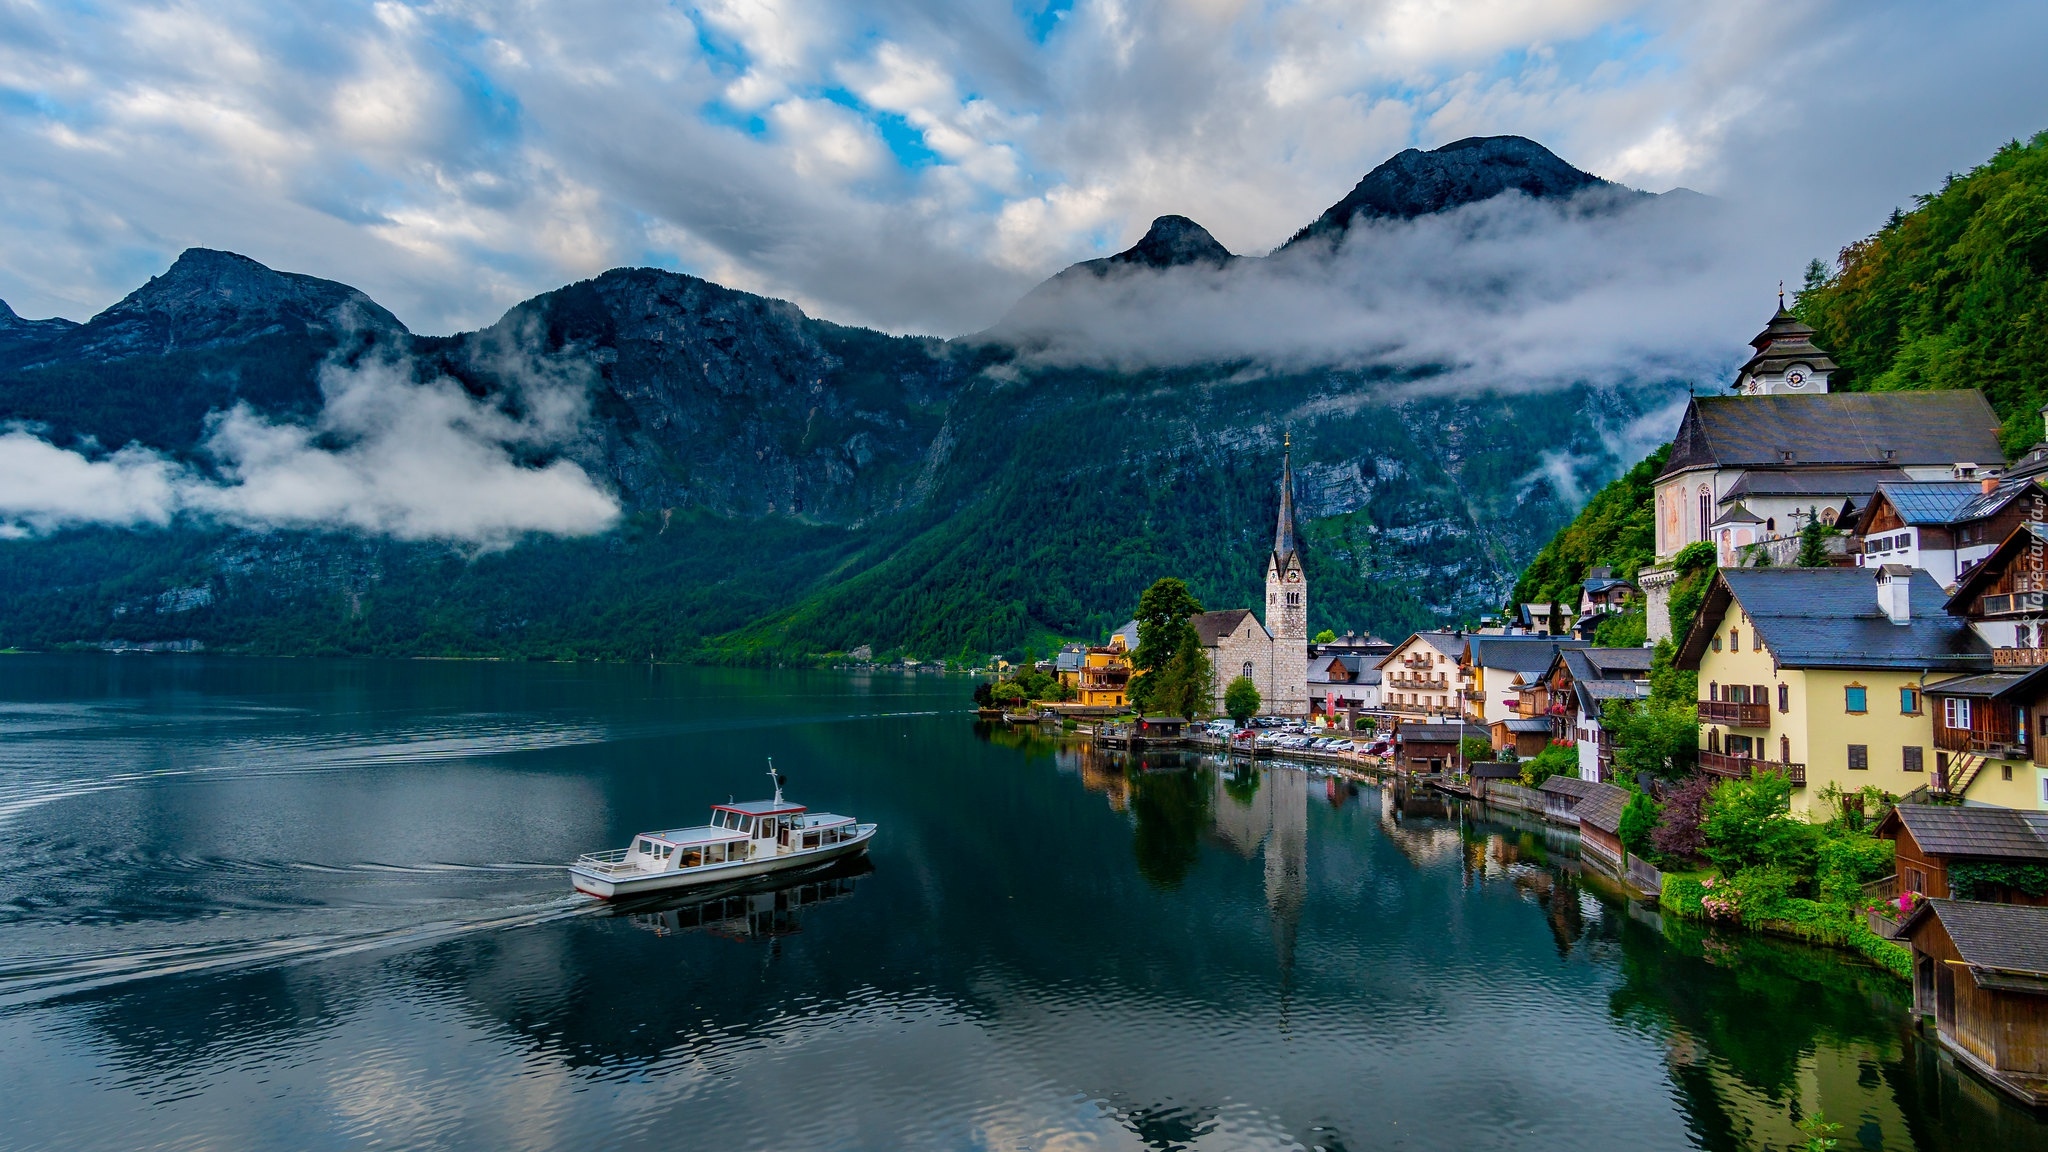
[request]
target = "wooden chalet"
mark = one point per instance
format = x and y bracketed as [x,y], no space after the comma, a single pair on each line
[1981,971]
[1599,813]
[1944,526]
[1431,748]
[2005,598]
[1931,839]
[1526,735]
[1562,796]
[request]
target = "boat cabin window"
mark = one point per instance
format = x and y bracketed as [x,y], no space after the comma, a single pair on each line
[647,847]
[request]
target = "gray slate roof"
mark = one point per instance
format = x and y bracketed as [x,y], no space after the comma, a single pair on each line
[1213,626]
[1528,655]
[1606,663]
[1570,786]
[1526,724]
[1319,669]
[1816,482]
[1495,771]
[1967,830]
[1829,618]
[1839,428]
[1601,808]
[2009,938]
[1986,685]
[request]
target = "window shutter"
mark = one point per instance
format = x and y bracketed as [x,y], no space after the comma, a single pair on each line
[1784,697]
[1859,755]
[1910,760]
[1763,693]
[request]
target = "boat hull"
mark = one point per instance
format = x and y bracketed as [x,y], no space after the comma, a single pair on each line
[614,886]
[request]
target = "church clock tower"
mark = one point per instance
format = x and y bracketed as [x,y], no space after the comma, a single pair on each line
[1287,605]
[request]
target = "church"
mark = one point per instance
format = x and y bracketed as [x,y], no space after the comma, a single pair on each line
[1274,654]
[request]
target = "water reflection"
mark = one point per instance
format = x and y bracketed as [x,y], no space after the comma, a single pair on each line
[1054,947]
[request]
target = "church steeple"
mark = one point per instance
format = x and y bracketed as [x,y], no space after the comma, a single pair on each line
[1284,547]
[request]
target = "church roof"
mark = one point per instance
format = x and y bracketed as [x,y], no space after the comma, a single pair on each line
[1214,626]
[1886,429]
[1285,546]
[1785,341]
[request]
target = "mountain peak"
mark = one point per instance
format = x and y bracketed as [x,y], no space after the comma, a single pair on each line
[1417,183]
[208,298]
[1171,242]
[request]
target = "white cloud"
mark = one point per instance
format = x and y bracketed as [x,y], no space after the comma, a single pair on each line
[386,456]
[451,159]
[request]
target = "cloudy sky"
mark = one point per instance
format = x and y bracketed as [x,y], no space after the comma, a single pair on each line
[918,164]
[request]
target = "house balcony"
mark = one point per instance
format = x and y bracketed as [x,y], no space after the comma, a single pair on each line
[1734,714]
[1738,767]
[2019,657]
[1997,745]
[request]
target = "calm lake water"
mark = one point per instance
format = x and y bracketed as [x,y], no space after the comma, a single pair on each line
[299,904]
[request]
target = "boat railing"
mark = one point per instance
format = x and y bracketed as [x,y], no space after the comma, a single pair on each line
[607,862]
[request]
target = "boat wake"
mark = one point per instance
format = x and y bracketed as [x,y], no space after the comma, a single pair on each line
[32,980]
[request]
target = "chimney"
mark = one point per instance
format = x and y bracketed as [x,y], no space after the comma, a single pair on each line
[1895,592]
[1989,485]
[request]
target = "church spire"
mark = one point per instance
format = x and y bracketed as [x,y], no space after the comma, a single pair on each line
[1283,533]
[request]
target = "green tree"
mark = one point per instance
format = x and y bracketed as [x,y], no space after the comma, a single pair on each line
[1628,628]
[1187,684]
[1813,541]
[1163,611]
[1749,824]
[1695,564]
[1661,739]
[1671,685]
[1951,294]
[1327,636]
[1638,821]
[1475,749]
[1241,699]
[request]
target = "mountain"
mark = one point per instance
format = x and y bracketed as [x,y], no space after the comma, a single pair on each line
[16,332]
[1478,168]
[790,487]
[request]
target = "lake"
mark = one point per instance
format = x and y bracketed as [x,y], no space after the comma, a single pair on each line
[318,904]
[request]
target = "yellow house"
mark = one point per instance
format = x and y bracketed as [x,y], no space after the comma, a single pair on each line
[1100,676]
[1822,673]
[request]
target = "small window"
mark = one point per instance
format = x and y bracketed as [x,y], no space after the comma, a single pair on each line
[1859,756]
[2005,771]
[1784,697]
[1717,643]
[1735,639]
[647,848]
[1955,713]
[1856,699]
[1756,642]
[1910,758]
[1909,701]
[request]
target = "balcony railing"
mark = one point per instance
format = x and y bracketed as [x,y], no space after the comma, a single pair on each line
[2000,745]
[1734,714]
[2019,657]
[1738,767]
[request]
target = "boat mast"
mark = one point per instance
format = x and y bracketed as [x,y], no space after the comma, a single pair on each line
[777,779]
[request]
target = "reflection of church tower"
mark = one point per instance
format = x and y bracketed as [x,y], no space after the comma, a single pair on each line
[1287,606]
[1272,822]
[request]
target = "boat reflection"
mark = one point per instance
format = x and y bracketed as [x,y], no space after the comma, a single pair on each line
[754,912]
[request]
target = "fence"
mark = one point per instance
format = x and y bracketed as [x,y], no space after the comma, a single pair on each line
[1508,795]
[1643,876]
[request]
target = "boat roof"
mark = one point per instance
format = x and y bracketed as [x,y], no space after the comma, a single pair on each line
[825,819]
[759,808]
[684,837]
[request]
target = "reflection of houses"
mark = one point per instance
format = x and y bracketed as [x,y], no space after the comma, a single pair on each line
[1100,771]
[1981,970]
[1274,821]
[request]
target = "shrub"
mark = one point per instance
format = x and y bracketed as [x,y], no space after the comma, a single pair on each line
[1845,861]
[1475,749]
[1677,834]
[1554,760]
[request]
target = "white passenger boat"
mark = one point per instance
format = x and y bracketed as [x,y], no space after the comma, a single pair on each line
[743,840]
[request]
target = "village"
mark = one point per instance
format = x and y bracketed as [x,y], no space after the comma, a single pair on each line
[1820,712]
